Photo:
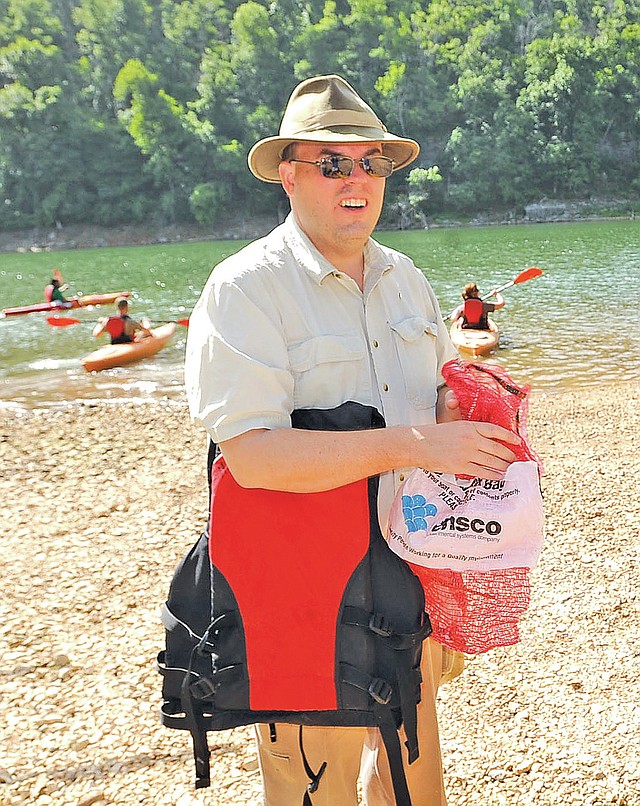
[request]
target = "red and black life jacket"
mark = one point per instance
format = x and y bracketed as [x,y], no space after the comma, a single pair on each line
[115,327]
[473,314]
[48,292]
[294,609]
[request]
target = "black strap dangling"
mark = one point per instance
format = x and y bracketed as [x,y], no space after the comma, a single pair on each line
[314,777]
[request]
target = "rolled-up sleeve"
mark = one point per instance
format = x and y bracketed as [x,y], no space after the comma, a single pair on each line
[237,376]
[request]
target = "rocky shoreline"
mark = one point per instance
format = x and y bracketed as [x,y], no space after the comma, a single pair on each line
[77,236]
[92,236]
[102,500]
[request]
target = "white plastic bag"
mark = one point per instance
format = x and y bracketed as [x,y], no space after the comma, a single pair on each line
[440,521]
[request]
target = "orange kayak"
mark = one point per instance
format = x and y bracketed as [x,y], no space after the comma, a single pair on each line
[473,341]
[73,302]
[117,355]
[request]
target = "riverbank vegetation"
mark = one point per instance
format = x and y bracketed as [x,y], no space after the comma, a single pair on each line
[117,112]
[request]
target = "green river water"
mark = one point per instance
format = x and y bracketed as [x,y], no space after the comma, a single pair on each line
[577,324]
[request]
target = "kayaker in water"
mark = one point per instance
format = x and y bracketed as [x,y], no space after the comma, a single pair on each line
[121,327]
[53,292]
[474,311]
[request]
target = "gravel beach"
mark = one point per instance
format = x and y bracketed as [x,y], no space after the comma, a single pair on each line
[100,503]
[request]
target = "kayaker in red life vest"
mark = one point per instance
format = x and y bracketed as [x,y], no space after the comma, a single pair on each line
[121,327]
[474,310]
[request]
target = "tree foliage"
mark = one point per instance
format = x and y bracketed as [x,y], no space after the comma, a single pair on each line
[114,111]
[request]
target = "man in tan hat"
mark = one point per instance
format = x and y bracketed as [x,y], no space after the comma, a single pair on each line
[315,314]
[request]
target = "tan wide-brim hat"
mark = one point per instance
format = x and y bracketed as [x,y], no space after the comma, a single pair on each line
[326,109]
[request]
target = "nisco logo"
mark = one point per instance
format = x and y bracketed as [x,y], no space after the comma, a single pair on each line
[416,511]
[464,524]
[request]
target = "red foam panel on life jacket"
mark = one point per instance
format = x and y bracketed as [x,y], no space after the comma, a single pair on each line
[473,309]
[115,326]
[288,557]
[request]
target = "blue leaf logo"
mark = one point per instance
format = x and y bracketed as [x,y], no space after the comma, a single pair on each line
[416,511]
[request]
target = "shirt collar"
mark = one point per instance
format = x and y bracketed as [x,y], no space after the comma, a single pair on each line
[315,264]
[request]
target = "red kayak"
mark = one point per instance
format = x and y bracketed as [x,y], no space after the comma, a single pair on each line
[73,302]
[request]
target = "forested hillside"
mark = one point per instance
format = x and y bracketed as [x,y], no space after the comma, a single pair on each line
[124,111]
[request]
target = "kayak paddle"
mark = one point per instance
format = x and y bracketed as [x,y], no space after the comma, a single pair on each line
[67,321]
[527,274]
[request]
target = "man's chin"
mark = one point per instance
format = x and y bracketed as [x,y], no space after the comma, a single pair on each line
[359,218]
[356,230]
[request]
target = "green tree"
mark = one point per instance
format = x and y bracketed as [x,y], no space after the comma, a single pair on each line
[120,110]
[172,139]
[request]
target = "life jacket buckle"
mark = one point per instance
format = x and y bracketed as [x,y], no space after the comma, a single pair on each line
[380,625]
[202,689]
[380,691]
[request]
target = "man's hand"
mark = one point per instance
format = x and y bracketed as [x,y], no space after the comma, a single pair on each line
[466,448]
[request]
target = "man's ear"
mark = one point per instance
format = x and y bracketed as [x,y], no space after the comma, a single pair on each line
[287,173]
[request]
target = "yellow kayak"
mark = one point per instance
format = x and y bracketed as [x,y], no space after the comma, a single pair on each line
[473,341]
[117,355]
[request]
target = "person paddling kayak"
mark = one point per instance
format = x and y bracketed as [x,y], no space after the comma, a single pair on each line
[474,311]
[53,291]
[121,327]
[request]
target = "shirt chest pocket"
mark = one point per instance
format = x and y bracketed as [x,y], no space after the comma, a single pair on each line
[326,370]
[415,338]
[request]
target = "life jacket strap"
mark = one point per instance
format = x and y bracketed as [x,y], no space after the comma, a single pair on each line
[314,777]
[408,681]
[223,621]
[196,726]
[204,688]
[200,688]
[381,691]
[389,734]
[384,629]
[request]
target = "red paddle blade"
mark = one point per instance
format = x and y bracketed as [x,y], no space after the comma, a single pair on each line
[62,321]
[527,274]
[57,275]
[183,322]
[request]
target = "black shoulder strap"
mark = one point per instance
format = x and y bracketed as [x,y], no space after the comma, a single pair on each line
[194,723]
[391,739]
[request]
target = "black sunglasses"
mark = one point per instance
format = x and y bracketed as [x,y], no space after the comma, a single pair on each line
[338,167]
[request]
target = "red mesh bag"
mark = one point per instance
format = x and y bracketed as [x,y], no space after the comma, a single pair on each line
[487,394]
[474,611]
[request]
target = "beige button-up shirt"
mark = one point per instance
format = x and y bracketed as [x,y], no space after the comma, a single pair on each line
[279,328]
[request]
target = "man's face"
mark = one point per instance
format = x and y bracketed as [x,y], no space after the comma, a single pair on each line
[338,215]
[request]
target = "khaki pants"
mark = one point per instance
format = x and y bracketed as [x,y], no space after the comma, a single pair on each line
[349,751]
